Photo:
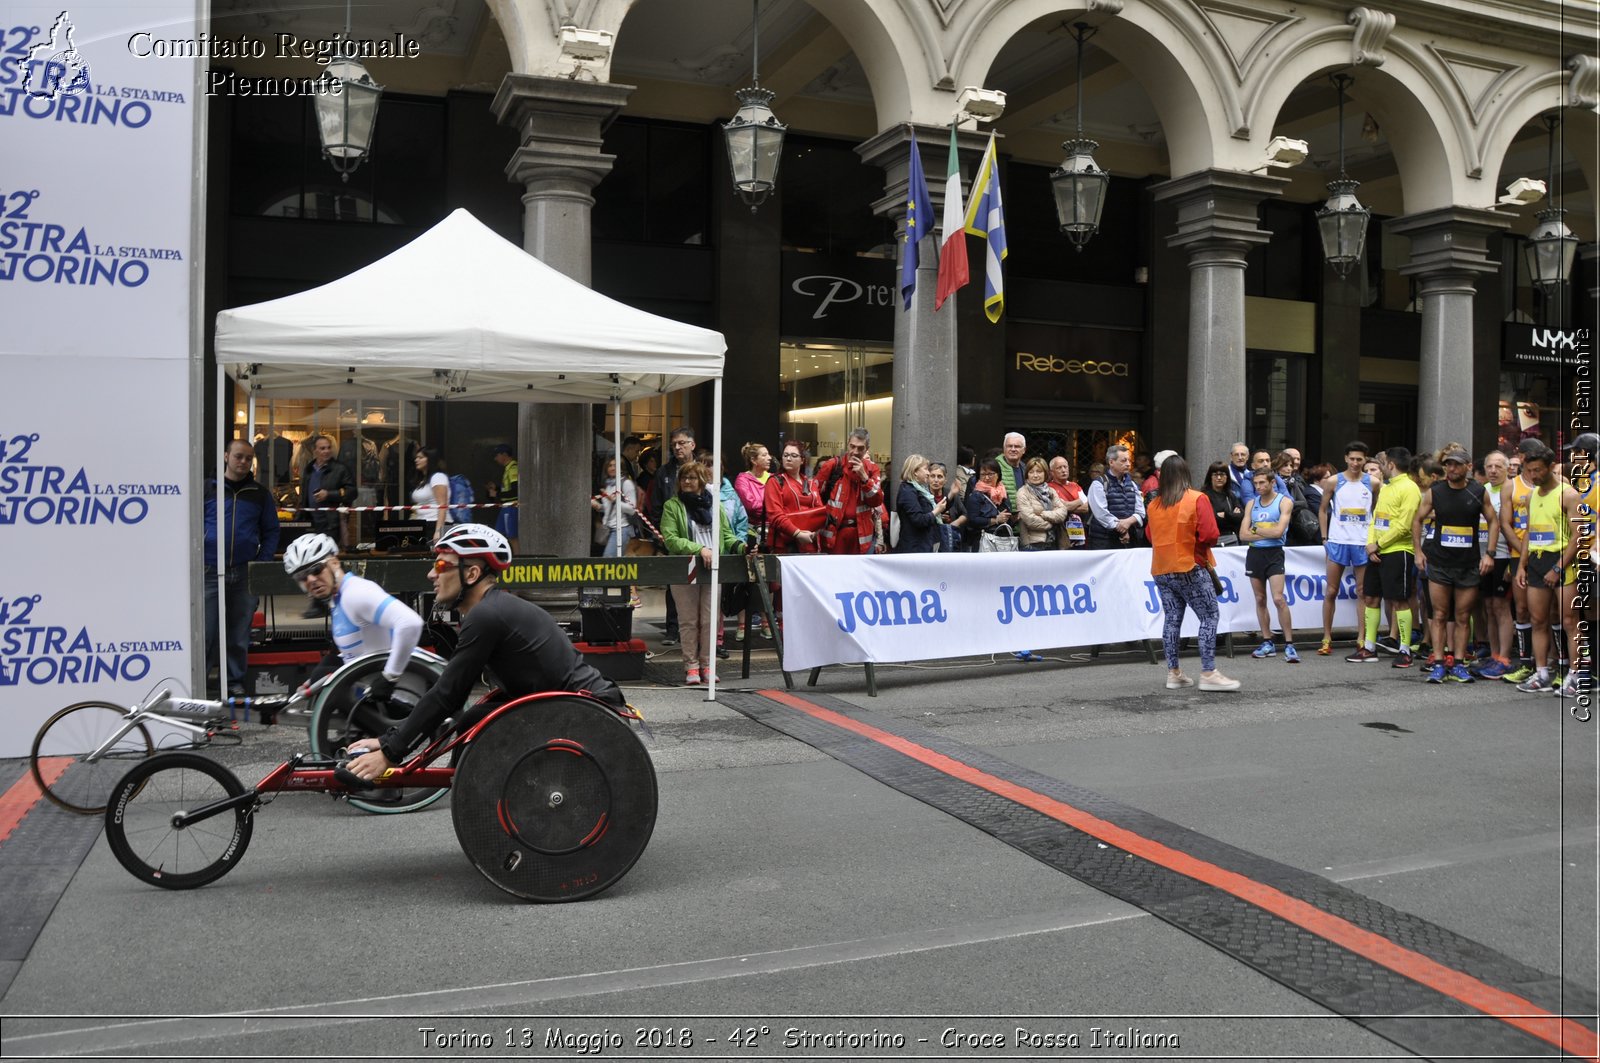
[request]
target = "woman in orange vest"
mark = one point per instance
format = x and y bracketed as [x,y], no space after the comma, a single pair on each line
[1182,529]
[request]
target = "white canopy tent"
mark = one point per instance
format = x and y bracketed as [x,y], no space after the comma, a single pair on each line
[462,314]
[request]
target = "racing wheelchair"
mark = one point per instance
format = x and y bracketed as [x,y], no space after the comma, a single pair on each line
[555,799]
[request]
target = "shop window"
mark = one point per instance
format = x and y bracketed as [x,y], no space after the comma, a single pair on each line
[1275,400]
[1036,247]
[278,170]
[1276,269]
[827,194]
[659,187]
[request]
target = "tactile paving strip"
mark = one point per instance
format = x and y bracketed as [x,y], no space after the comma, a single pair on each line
[1384,1000]
[37,861]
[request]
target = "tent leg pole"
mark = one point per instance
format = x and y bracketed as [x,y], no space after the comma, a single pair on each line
[716,523]
[221,518]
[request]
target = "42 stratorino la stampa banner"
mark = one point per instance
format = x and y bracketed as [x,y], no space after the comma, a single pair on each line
[918,607]
[97,166]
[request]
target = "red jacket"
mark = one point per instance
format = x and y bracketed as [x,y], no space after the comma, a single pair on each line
[792,506]
[852,504]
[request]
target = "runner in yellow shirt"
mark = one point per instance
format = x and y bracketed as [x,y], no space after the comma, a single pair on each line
[1391,557]
[1547,568]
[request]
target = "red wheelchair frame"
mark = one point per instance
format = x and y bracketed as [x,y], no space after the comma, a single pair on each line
[572,801]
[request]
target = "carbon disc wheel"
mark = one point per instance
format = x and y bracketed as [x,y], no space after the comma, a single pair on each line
[555,800]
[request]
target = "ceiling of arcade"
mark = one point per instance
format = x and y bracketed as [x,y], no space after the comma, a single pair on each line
[686,56]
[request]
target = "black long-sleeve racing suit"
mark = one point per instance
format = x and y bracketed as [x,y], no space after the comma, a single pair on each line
[521,648]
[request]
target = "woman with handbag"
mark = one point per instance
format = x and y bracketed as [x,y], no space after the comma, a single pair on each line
[985,509]
[1182,528]
[1225,504]
[1040,511]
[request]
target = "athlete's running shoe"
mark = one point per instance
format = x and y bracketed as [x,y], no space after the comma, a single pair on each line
[1362,656]
[1460,674]
[1401,660]
[1326,649]
[1518,674]
[1291,655]
[1266,649]
[1495,669]
[1435,674]
[1534,685]
[1389,645]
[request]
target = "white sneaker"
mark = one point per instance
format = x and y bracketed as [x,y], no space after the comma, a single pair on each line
[1177,681]
[1218,681]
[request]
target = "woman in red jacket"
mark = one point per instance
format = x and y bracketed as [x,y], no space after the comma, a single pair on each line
[794,512]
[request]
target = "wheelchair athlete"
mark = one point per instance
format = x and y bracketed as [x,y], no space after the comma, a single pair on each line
[515,641]
[364,617]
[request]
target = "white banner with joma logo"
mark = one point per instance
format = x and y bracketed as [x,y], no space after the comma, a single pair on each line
[917,607]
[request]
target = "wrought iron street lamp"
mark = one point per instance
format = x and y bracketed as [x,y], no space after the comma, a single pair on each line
[345,121]
[1079,185]
[754,134]
[1342,219]
[1551,246]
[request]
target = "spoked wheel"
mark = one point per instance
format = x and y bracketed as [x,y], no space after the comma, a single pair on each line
[143,837]
[71,735]
[342,715]
[555,799]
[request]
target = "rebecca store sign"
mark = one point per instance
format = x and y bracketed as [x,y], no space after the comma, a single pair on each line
[1070,364]
[837,297]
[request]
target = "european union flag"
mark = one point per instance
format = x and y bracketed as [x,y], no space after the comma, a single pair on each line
[919,223]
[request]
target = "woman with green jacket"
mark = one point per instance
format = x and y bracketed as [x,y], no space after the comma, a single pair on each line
[687,530]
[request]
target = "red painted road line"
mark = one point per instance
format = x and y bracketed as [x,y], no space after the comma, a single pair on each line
[1565,1034]
[25,793]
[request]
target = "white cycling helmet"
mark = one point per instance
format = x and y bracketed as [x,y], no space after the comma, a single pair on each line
[476,540]
[307,551]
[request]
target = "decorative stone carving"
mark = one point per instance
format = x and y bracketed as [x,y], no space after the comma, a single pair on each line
[1372,33]
[1584,88]
[1105,7]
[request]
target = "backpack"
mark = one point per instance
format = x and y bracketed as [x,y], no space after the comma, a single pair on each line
[460,499]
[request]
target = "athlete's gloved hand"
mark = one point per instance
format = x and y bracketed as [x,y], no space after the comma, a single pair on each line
[380,688]
[303,690]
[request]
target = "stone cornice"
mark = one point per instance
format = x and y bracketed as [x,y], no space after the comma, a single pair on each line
[1558,29]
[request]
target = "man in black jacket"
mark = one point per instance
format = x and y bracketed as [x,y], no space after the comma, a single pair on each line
[248,532]
[326,482]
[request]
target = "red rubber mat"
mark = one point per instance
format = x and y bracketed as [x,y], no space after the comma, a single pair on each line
[1422,987]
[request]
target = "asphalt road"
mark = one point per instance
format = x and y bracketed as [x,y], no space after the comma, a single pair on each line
[786,891]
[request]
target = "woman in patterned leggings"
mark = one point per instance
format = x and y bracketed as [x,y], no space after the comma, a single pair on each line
[1182,528]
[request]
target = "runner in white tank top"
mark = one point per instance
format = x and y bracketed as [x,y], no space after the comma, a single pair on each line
[1345,516]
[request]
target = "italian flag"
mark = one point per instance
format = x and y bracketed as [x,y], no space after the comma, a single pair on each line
[953,255]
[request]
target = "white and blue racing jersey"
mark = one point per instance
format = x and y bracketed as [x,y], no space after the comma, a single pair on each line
[368,619]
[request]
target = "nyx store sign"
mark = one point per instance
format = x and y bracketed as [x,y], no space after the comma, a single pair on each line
[837,297]
[1067,364]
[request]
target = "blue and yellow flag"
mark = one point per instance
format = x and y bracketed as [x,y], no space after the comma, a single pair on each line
[986,218]
[919,223]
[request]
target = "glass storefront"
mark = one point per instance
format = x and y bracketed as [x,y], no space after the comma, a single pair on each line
[376,440]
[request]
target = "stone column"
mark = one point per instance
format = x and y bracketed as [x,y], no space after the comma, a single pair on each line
[924,340]
[1449,250]
[1217,215]
[560,123]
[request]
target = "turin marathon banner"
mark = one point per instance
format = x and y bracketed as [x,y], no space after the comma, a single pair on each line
[918,607]
[98,166]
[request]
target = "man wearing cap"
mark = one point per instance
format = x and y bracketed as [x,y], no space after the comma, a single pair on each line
[505,492]
[1453,560]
